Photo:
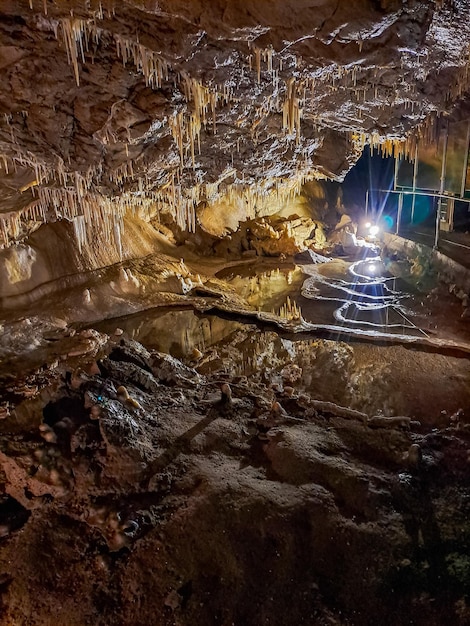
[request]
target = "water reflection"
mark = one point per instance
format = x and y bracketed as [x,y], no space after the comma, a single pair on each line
[360,295]
[370,300]
[176,332]
[366,377]
[265,291]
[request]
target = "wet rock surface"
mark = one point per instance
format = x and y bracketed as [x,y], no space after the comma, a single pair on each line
[140,489]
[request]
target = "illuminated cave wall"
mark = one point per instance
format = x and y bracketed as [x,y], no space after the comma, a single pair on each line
[202,115]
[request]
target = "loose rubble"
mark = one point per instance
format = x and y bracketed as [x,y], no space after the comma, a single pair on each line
[136,477]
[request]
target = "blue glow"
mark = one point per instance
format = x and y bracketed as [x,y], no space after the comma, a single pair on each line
[388,220]
[423,209]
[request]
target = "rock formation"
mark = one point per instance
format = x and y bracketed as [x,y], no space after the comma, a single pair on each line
[156,110]
[225,455]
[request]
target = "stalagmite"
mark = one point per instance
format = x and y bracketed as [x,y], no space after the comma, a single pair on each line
[290,310]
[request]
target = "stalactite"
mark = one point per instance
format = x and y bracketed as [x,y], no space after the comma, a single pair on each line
[213,103]
[398,147]
[205,99]
[177,130]
[151,64]
[291,111]
[258,64]
[268,58]
[80,231]
[117,230]
[461,83]
[74,32]
[193,130]
[5,162]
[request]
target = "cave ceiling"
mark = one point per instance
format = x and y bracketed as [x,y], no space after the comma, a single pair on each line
[160,107]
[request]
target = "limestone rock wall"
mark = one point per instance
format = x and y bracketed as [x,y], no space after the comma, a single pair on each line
[159,108]
[48,260]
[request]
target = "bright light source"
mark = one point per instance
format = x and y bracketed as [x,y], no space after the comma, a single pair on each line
[372,268]
[373,230]
[367,224]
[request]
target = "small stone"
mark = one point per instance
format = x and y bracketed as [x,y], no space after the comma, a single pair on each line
[414,455]
[47,433]
[173,600]
[117,541]
[226,394]
[78,378]
[196,354]
[291,373]
[4,412]
[4,530]
[95,412]
[89,400]
[278,409]
[39,454]
[54,477]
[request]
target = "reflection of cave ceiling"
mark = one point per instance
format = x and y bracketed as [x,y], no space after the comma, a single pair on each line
[158,106]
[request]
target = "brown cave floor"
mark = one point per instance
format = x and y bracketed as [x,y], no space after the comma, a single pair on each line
[274,508]
[331,489]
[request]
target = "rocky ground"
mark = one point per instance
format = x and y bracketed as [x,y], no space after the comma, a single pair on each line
[140,489]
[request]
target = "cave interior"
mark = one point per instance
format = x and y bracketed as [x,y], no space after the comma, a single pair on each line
[234,312]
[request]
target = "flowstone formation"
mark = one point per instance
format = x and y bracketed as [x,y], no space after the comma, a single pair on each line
[154,110]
